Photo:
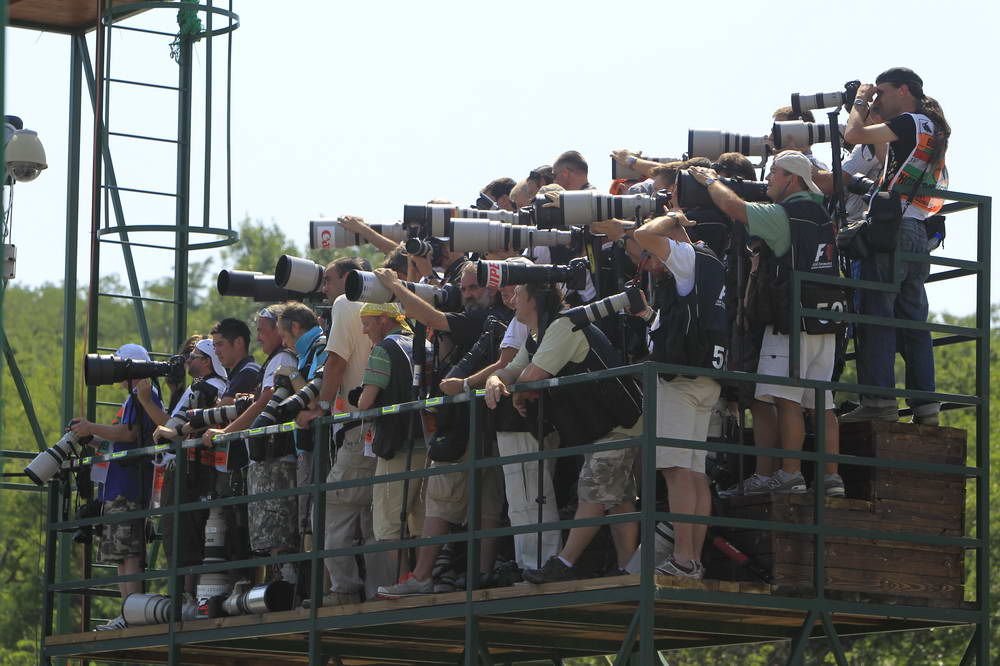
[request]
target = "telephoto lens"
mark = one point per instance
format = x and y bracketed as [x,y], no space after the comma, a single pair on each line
[630,300]
[579,209]
[100,370]
[47,464]
[327,234]
[496,274]
[713,143]
[294,404]
[418,247]
[827,100]
[266,598]
[364,286]
[434,220]
[142,609]
[799,133]
[300,275]
[251,284]
[215,536]
[491,236]
[216,416]
[689,193]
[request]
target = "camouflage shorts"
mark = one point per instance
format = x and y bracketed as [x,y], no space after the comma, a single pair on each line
[607,478]
[121,540]
[273,522]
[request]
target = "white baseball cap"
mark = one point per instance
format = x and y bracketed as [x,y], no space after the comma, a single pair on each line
[207,347]
[798,164]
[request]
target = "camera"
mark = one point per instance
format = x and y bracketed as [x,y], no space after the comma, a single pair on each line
[713,143]
[100,370]
[583,208]
[496,274]
[800,133]
[48,463]
[299,275]
[326,234]
[492,236]
[630,299]
[828,100]
[690,193]
[364,286]
[434,220]
[298,401]
[858,184]
[422,247]
[255,285]
[619,171]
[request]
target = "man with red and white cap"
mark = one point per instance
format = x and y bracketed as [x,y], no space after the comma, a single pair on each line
[801,236]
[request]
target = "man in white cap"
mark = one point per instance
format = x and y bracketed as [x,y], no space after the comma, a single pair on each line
[801,236]
[125,486]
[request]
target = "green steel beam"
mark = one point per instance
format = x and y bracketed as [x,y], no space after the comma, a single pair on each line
[22,392]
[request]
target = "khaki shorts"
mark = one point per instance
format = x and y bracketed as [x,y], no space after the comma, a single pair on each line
[387,498]
[447,495]
[606,477]
[683,409]
[273,522]
[121,540]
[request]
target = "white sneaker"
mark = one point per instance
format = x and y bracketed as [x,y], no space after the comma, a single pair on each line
[112,625]
[670,567]
[407,587]
[783,483]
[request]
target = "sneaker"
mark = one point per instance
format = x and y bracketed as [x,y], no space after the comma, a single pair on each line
[671,567]
[335,599]
[834,485]
[507,573]
[407,587]
[754,485]
[783,483]
[869,413]
[112,625]
[552,571]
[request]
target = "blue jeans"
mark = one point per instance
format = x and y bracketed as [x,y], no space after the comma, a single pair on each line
[878,344]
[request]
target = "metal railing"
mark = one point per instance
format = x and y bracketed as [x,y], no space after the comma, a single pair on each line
[818,606]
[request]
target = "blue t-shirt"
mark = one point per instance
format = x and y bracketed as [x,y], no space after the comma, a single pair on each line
[134,479]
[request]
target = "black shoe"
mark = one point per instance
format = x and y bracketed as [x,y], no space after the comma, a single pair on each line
[551,572]
[617,571]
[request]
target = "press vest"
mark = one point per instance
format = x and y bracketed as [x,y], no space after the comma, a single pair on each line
[583,413]
[693,329]
[390,431]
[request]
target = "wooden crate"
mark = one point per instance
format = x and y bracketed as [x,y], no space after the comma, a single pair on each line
[880,500]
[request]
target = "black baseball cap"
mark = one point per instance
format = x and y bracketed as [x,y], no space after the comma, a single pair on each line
[899,76]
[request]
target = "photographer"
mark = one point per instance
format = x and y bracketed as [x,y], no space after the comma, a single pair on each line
[349,510]
[583,413]
[917,133]
[688,327]
[231,341]
[399,446]
[496,195]
[127,484]
[208,384]
[800,234]
[273,522]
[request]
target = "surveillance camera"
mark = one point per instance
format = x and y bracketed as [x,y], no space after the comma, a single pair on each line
[24,153]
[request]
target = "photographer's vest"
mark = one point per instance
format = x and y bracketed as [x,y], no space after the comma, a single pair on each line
[813,250]
[390,431]
[583,413]
[909,170]
[693,329]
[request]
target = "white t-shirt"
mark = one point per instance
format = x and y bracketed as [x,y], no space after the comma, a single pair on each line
[680,262]
[182,404]
[515,336]
[349,342]
[283,357]
[863,161]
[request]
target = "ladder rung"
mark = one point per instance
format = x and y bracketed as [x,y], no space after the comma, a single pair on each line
[145,85]
[102,403]
[132,189]
[90,592]
[134,244]
[138,298]
[145,30]
[142,136]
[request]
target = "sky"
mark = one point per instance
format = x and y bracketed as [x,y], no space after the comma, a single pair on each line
[359,108]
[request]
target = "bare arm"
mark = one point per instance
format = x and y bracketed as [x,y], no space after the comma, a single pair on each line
[246,419]
[368,395]
[357,225]
[144,392]
[454,385]
[113,433]
[414,306]
[724,198]
[856,131]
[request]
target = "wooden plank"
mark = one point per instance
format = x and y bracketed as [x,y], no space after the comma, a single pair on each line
[862,580]
[944,563]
